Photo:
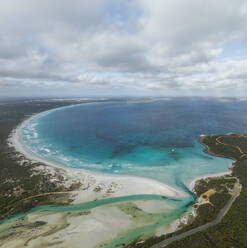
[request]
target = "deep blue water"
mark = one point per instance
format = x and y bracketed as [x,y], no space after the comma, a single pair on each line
[157,139]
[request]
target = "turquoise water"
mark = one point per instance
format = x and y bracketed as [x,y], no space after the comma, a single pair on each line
[158,140]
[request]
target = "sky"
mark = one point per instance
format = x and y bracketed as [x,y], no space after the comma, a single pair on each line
[123,48]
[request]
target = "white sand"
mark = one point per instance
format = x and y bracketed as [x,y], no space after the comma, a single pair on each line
[72,230]
[99,226]
[191,184]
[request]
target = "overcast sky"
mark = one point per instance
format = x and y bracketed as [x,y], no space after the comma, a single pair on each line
[122,47]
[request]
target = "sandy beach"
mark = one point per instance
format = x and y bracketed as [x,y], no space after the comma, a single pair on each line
[191,184]
[94,186]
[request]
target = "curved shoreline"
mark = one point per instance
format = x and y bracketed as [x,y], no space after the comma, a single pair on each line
[191,183]
[130,185]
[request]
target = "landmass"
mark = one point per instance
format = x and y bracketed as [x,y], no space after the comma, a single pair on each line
[26,183]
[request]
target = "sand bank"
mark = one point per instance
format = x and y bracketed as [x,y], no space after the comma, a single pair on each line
[92,227]
[68,229]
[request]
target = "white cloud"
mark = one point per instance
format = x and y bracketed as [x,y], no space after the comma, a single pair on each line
[98,47]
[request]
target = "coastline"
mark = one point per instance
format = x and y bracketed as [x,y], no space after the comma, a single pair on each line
[207,150]
[192,214]
[191,184]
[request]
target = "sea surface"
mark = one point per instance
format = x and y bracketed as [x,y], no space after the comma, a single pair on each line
[158,140]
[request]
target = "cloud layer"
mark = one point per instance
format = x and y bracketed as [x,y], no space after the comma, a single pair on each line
[108,47]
